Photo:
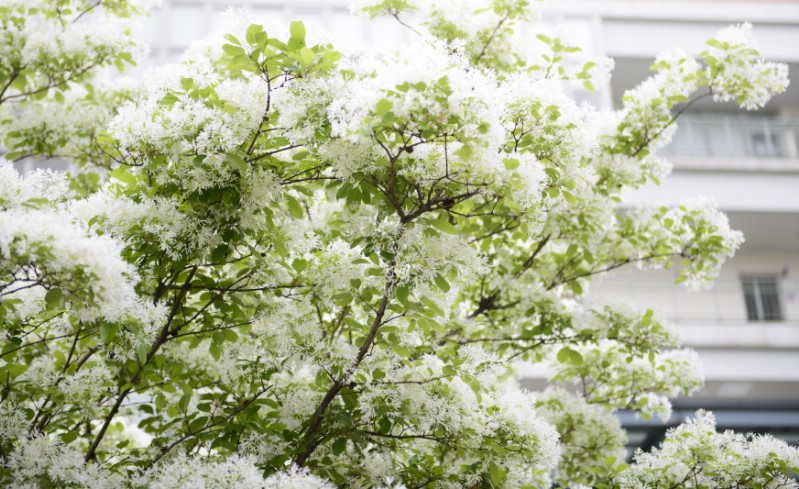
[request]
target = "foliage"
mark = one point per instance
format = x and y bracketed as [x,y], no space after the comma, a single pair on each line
[285,267]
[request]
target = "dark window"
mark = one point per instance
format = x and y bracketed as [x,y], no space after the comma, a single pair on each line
[762,297]
[764,144]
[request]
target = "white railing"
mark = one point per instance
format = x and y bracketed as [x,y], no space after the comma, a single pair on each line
[735,136]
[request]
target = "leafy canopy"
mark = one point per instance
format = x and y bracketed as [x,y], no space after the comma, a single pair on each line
[281,266]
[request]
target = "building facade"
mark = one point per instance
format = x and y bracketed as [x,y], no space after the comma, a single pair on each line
[745,329]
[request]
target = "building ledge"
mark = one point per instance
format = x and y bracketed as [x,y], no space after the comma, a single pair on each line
[735,164]
[777,335]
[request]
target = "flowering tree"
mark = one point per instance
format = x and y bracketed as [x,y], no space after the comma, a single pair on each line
[285,267]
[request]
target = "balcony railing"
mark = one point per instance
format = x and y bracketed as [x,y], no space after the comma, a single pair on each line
[735,136]
[723,304]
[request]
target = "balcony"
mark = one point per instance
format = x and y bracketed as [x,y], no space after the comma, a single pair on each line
[724,304]
[735,137]
[715,318]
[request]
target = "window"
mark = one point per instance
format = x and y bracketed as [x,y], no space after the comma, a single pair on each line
[764,144]
[762,297]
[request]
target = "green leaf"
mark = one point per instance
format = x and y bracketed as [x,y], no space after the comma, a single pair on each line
[108,331]
[236,162]
[68,437]
[511,163]
[232,50]
[569,356]
[339,446]
[16,370]
[220,253]
[343,299]
[122,175]
[295,209]
[300,264]
[252,33]
[306,56]
[297,29]
[498,475]
[186,83]
[54,298]
[402,293]
[474,384]
[401,350]
[442,283]
[141,353]
[215,351]
[383,106]
[442,224]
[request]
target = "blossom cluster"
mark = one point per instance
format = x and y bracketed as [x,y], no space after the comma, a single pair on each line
[735,71]
[695,451]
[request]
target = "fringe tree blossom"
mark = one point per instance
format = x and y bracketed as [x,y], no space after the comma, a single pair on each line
[735,71]
[284,266]
[695,452]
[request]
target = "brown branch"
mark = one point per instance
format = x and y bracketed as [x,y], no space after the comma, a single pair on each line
[670,123]
[491,37]
[160,340]
[240,408]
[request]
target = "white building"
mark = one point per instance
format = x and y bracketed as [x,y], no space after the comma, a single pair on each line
[746,329]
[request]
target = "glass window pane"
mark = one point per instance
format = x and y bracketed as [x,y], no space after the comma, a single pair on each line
[762,297]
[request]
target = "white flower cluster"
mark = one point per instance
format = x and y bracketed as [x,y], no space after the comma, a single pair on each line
[540,109]
[262,189]
[13,422]
[333,269]
[60,251]
[624,170]
[16,191]
[641,331]
[425,399]
[588,433]
[45,36]
[618,379]
[85,386]
[421,256]
[736,72]
[292,335]
[42,459]
[201,126]
[439,88]
[294,390]
[484,26]
[62,128]
[295,478]
[182,472]
[69,254]
[695,451]
[647,107]
[696,230]
[120,217]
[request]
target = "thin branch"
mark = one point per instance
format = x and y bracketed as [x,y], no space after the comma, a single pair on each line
[188,435]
